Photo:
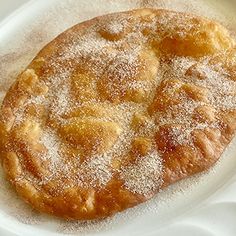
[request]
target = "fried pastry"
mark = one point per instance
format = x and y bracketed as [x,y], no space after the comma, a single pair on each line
[116,108]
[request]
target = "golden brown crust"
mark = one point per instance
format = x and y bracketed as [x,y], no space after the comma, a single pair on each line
[116,108]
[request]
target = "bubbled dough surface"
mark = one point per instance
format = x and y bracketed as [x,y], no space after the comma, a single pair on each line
[116,108]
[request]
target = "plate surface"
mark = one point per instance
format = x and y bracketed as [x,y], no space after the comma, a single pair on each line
[203,205]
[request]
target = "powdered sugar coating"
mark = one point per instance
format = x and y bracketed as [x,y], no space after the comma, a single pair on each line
[143,176]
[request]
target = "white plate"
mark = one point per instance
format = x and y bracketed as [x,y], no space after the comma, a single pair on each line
[7,7]
[204,205]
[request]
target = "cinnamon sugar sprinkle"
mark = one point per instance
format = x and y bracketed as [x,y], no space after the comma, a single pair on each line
[123,65]
[142,176]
